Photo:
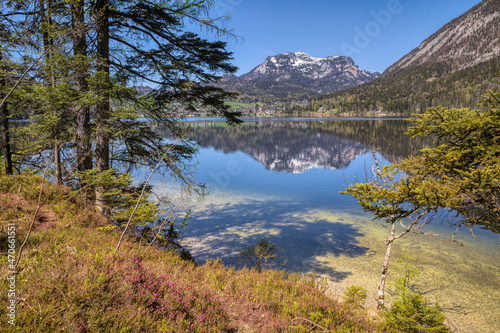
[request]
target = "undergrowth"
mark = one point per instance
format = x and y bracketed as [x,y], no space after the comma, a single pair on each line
[69,280]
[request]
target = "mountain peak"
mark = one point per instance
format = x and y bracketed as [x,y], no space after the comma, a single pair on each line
[301,54]
[293,75]
[305,57]
[292,66]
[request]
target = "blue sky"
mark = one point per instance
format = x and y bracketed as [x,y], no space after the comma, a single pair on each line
[375,33]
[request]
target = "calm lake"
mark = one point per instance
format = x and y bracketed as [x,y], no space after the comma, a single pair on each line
[282,177]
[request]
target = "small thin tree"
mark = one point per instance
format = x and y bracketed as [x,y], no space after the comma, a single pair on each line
[261,254]
[392,198]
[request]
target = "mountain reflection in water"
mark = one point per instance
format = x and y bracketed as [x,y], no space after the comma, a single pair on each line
[297,146]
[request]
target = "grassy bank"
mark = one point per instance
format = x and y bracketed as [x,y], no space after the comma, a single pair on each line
[69,280]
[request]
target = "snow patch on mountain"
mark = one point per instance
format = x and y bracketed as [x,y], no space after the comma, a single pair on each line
[288,75]
[302,64]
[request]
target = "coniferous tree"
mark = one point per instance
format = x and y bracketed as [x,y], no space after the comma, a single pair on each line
[461,174]
[5,38]
[6,152]
[49,77]
[149,42]
[102,109]
[81,74]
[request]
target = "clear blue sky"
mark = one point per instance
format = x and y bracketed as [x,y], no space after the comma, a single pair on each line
[324,28]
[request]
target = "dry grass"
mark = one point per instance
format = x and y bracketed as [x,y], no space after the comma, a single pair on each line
[69,280]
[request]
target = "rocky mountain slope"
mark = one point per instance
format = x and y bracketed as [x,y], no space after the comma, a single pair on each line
[468,40]
[453,67]
[298,75]
[299,66]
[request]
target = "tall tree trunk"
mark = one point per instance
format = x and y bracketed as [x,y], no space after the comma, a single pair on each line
[385,268]
[46,20]
[57,164]
[82,115]
[57,147]
[7,154]
[103,107]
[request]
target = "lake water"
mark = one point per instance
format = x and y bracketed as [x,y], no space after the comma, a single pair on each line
[283,177]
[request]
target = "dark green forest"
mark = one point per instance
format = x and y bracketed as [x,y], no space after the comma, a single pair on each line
[415,90]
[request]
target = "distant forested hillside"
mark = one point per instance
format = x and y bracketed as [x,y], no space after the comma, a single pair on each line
[418,89]
[453,67]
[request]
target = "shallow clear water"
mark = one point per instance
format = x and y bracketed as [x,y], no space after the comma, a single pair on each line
[283,178]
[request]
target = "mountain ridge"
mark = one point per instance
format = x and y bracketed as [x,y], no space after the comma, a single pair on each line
[297,75]
[301,63]
[455,44]
[453,67]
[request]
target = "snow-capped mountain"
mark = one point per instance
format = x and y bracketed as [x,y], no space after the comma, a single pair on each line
[301,66]
[291,74]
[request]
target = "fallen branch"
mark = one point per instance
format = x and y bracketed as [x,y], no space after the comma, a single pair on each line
[40,205]
[310,322]
[139,200]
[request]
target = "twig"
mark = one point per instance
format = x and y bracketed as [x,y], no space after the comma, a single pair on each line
[160,227]
[22,77]
[60,37]
[173,213]
[139,200]
[311,322]
[39,206]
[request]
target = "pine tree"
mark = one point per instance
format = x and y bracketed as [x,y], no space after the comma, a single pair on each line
[6,40]
[102,110]
[461,174]
[116,44]
[81,74]
[4,114]
[151,44]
